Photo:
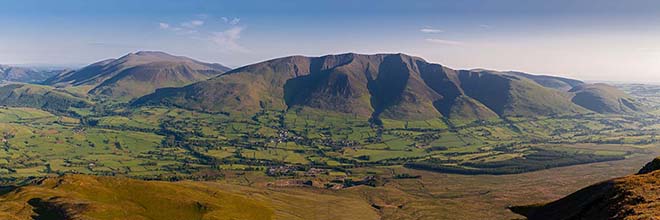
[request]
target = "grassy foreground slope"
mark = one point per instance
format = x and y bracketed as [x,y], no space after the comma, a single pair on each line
[97,197]
[630,197]
[88,197]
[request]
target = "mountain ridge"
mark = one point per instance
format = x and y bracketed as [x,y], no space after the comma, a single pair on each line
[394,86]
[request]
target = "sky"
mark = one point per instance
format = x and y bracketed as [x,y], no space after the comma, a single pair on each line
[604,40]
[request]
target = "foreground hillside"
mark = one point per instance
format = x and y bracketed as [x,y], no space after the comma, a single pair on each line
[88,197]
[136,74]
[394,86]
[98,198]
[631,197]
[431,196]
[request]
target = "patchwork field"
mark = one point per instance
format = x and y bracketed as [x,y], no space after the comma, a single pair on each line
[165,143]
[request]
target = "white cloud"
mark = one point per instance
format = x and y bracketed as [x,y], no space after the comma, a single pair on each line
[164,26]
[203,16]
[486,26]
[228,39]
[442,41]
[192,24]
[431,30]
[233,21]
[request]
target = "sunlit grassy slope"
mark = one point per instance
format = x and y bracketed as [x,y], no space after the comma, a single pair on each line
[97,197]
[88,197]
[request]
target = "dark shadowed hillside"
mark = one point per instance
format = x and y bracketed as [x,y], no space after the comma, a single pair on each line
[632,197]
[394,86]
[136,74]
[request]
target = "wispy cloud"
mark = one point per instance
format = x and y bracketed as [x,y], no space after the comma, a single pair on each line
[443,41]
[232,21]
[192,24]
[111,45]
[228,39]
[163,26]
[486,26]
[202,16]
[430,30]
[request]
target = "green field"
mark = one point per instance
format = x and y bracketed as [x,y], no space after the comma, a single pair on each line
[164,143]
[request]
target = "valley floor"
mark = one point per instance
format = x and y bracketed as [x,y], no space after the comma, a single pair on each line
[432,196]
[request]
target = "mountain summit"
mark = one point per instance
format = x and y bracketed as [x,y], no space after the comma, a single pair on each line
[136,74]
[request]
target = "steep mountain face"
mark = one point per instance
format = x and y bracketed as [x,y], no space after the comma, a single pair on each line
[394,86]
[604,98]
[631,197]
[26,75]
[136,74]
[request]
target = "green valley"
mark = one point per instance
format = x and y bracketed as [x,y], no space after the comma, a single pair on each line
[338,131]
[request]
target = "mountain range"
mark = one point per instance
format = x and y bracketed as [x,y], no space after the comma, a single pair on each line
[392,86]
[395,86]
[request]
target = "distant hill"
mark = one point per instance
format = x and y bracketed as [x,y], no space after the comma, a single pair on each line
[630,197]
[603,98]
[394,86]
[26,75]
[38,96]
[136,74]
[554,82]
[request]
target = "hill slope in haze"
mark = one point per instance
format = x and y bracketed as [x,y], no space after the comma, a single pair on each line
[394,86]
[136,74]
[26,75]
[631,197]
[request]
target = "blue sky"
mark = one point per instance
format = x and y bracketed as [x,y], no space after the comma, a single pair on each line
[590,40]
